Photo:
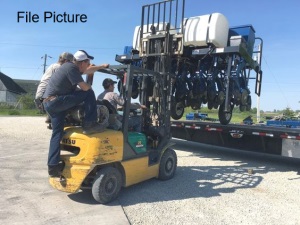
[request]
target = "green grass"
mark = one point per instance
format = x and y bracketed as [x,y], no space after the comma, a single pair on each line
[20,112]
[237,117]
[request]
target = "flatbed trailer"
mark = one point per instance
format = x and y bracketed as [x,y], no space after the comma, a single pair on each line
[256,138]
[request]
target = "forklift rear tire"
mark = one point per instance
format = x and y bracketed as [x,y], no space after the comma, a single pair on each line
[107,185]
[168,165]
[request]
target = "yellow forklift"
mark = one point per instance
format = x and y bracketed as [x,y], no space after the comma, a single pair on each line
[105,162]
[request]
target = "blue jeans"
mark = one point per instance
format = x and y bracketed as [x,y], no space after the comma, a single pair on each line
[57,109]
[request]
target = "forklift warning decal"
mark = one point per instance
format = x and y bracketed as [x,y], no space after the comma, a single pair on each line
[68,141]
[139,144]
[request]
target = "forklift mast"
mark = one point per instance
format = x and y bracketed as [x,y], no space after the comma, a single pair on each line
[160,30]
[148,69]
[160,38]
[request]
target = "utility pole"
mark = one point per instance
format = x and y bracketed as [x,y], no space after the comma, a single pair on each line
[45,61]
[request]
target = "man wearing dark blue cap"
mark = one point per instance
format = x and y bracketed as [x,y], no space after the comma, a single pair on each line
[134,122]
[61,94]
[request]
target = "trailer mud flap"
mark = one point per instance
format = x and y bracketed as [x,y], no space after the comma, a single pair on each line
[290,148]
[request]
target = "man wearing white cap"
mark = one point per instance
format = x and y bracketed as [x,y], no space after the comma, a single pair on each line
[61,94]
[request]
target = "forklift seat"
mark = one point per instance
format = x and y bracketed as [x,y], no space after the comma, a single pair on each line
[109,106]
[113,120]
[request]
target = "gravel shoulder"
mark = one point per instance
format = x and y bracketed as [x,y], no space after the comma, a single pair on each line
[212,186]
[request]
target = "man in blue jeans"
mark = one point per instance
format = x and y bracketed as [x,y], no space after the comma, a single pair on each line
[62,94]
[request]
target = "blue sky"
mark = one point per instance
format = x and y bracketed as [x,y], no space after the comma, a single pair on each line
[110,26]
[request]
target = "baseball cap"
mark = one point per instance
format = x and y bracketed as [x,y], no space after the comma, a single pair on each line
[67,56]
[82,55]
[107,82]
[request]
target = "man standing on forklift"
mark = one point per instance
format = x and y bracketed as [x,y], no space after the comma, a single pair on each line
[62,94]
[114,99]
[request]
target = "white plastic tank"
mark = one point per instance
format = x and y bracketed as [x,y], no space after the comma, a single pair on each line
[200,31]
[136,37]
[137,31]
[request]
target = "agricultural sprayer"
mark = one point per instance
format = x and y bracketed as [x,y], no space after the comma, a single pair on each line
[210,62]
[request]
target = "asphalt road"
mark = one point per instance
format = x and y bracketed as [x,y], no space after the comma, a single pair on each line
[212,186]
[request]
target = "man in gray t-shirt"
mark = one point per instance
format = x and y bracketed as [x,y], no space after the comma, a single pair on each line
[61,95]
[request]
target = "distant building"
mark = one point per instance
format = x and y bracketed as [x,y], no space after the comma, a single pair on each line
[9,90]
[29,86]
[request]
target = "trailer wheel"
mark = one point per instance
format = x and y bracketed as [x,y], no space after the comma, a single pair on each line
[225,117]
[249,103]
[177,110]
[168,165]
[107,185]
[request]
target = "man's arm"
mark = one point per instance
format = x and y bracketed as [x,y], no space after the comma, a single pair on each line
[84,86]
[137,106]
[93,68]
[45,80]
[120,101]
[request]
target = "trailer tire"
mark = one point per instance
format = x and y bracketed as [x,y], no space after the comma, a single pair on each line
[177,110]
[107,185]
[167,165]
[225,117]
[249,103]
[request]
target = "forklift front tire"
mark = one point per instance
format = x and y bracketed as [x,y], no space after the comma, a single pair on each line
[107,185]
[168,165]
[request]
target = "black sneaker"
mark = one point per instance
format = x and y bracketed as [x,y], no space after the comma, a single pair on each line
[55,171]
[94,128]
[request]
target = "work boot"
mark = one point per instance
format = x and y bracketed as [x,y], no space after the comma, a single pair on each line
[48,119]
[93,128]
[55,171]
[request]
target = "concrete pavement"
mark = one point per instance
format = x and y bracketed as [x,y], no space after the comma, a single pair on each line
[26,196]
[212,186]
